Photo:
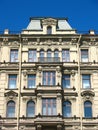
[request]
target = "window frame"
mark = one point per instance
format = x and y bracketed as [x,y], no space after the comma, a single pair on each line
[86,53]
[67,109]
[86,80]
[49,107]
[49,78]
[10,80]
[32,80]
[10,115]
[65,55]
[88,108]
[30,108]
[42,53]
[13,55]
[65,80]
[32,55]
[49,30]
[56,53]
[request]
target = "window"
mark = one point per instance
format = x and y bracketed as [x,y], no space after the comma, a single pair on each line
[87,109]
[42,53]
[14,55]
[30,109]
[32,56]
[56,53]
[49,30]
[31,81]
[66,109]
[65,55]
[84,55]
[66,81]
[12,81]
[41,59]
[49,106]
[49,53]
[86,81]
[49,78]
[11,109]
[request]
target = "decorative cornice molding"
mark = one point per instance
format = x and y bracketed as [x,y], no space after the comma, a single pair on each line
[11,93]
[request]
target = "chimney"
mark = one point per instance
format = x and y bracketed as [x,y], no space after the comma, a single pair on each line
[92,32]
[6,31]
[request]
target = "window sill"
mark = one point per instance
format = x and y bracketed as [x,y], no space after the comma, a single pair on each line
[11,88]
[89,118]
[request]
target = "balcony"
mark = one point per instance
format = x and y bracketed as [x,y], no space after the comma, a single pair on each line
[49,59]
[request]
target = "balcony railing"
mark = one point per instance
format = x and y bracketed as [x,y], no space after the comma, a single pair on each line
[48,59]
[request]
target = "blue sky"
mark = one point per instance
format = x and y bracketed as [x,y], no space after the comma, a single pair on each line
[82,14]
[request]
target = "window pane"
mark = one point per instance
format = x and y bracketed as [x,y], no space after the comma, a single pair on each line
[86,81]
[88,109]
[84,55]
[30,109]
[66,81]
[65,56]
[32,56]
[31,81]
[56,53]
[42,53]
[49,106]
[49,30]
[67,109]
[12,81]
[49,78]
[14,56]
[11,109]
[49,53]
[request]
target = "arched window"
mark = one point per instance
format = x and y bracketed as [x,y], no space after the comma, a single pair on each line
[87,109]
[67,109]
[30,109]
[56,53]
[41,53]
[49,30]
[11,109]
[48,53]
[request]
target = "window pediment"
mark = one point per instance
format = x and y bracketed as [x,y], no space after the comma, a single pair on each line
[11,94]
[49,21]
[88,93]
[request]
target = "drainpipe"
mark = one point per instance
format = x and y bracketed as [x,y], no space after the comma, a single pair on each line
[79,82]
[19,79]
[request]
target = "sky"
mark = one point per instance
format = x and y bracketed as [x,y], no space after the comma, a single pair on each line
[82,14]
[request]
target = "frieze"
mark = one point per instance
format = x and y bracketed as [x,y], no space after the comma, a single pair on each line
[25,39]
[48,43]
[73,40]
[15,43]
[66,43]
[49,21]
[85,43]
[92,42]
[32,43]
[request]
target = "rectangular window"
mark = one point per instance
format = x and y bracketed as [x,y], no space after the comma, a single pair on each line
[49,78]
[32,56]
[65,55]
[66,81]
[84,55]
[31,81]
[86,81]
[49,106]
[12,81]
[14,55]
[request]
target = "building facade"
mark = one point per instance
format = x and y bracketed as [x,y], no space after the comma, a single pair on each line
[48,77]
